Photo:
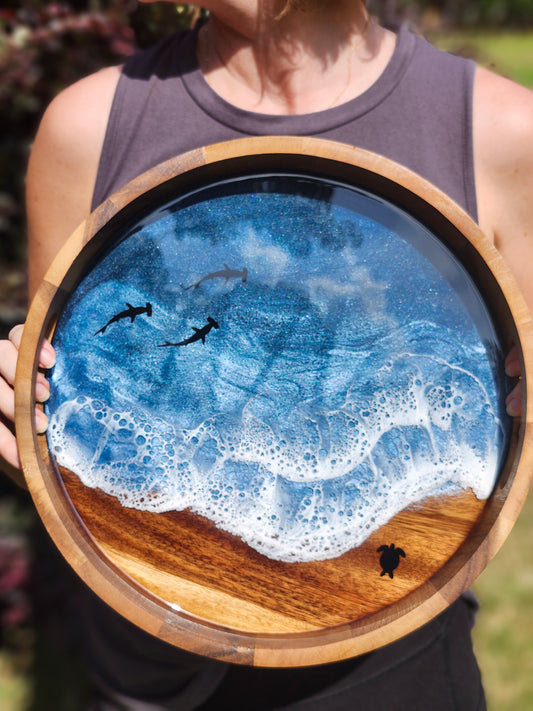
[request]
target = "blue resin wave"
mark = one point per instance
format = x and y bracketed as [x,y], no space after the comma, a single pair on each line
[302,375]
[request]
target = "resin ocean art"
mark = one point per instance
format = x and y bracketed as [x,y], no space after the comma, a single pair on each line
[296,361]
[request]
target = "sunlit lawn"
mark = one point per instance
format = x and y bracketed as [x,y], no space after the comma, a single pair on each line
[504,634]
[13,685]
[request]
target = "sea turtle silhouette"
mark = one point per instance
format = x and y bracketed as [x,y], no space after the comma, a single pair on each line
[390,559]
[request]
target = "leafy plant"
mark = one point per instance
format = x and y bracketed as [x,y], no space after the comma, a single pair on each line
[45,47]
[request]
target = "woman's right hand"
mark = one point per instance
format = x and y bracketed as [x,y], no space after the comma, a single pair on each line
[8,363]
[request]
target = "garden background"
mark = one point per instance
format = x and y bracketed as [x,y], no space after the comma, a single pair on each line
[44,46]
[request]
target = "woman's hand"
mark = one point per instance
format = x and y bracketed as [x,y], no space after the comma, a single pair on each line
[8,363]
[513,369]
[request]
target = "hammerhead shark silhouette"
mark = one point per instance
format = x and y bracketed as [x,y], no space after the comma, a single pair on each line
[225,273]
[131,312]
[199,334]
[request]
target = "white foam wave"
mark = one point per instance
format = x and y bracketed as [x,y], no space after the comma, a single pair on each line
[306,486]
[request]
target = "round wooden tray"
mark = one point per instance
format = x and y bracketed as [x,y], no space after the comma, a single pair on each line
[197,586]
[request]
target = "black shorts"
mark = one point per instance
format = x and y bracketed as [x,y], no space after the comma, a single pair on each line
[432,668]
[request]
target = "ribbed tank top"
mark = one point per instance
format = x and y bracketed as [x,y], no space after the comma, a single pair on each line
[418,113]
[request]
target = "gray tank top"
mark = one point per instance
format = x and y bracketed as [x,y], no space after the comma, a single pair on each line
[418,113]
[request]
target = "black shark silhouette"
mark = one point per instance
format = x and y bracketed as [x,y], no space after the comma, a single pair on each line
[225,273]
[199,334]
[131,312]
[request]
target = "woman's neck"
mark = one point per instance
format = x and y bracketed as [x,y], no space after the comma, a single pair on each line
[300,63]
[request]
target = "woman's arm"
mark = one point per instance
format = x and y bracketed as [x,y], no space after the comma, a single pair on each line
[503,147]
[60,183]
[63,166]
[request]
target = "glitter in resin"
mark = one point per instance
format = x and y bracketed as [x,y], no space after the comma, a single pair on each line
[305,371]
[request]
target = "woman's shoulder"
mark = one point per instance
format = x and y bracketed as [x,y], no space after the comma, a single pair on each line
[503,109]
[64,161]
[503,131]
[83,105]
[83,108]
[503,140]
[72,129]
[74,124]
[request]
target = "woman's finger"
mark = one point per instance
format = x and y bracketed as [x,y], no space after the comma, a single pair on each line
[15,335]
[513,365]
[7,401]
[8,447]
[47,356]
[513,401]
[7,408]
[8,367]
[8,361]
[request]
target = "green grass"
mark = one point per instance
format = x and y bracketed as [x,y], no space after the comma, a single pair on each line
[506,52]
[503,636]
[14,688]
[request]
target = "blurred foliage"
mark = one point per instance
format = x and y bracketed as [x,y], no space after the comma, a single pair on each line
[43,48]
[453,13]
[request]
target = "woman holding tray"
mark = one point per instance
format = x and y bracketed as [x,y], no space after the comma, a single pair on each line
[293,67]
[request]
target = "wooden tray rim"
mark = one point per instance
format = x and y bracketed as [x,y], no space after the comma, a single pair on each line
[124,594]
